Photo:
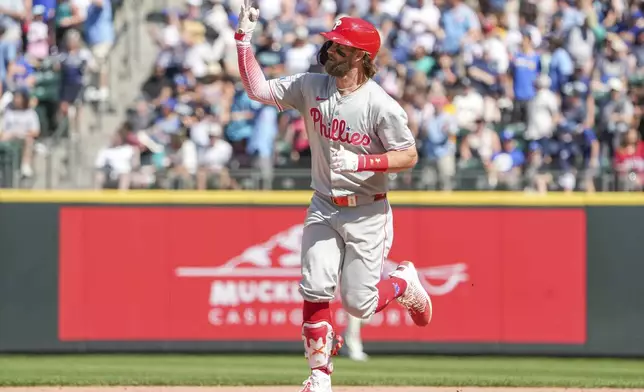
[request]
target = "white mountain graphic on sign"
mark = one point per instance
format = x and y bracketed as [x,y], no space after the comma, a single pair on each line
[279,256]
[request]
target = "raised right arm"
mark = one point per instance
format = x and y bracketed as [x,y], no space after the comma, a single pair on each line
[253,79]
[284,92]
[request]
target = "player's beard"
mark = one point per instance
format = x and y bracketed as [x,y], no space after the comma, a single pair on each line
[337,68]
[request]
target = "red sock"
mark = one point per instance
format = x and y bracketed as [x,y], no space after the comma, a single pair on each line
[313,312]
[388,290]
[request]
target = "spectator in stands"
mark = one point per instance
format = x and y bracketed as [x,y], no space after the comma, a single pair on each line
[38,34]
[486,80]
[566,156]
[116,164]
[460,26]
[574,109]
[506,165]
[524,69]
[543,113]
[49,16]
[262,143]
[301,54]
[469,105]
[69,14]
[213,161]
[21,74]
[538,176]
[158,87]
[100,35]
[168,123]
[12,14]
[241,125]
[74,61]
[438,137]
[580,43]
[270,55]
[561,66]
[21,126]
[179,163]
[616,116]
[590,165]
[629,162]
[479,146]
[637,50]
[580,84]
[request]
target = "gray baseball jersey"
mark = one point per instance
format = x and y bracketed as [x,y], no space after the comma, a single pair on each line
[367,121]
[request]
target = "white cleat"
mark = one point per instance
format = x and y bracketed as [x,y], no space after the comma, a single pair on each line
[415,298]
[318,381]
[359,356]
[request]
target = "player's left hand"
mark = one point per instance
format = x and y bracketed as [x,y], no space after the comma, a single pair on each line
[343,161]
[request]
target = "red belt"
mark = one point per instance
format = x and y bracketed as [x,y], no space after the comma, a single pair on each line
[352,200]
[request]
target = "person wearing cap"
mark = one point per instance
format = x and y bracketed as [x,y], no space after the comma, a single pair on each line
[168,123]
[580,43]
[616,116]
[38,34]
[359,136]
[580,83]
[611,63]
[561,66]
[566,154]
[506,165]
[543,113]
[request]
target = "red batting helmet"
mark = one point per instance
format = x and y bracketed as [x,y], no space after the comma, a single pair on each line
[356,33]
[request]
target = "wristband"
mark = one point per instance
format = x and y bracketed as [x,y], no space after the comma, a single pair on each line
[374,163]
[242,37]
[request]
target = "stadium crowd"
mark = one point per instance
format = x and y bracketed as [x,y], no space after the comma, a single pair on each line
[534,95]
[48,48]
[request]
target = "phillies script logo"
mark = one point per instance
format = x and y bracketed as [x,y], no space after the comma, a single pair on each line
[337,130]
[260,286]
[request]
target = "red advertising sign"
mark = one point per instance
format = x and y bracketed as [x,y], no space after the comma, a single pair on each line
[495,275]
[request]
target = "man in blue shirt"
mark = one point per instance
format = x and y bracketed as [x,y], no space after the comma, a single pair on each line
[242,121]
[262,141]
[438,136]
[100,36]
[561,65]
[525,67]
[507,164]
[457,22]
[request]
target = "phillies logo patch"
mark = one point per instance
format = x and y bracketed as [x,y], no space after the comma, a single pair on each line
[337,130]
[336,24]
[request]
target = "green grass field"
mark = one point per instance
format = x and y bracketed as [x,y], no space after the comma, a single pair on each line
[77,370]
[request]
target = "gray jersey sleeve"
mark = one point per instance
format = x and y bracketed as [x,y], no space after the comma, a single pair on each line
[392,128]
[288,91]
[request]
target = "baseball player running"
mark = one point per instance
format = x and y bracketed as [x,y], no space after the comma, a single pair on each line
[353,338]
[358,134]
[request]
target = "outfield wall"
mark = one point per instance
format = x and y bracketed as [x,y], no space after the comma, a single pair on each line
[189,271]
